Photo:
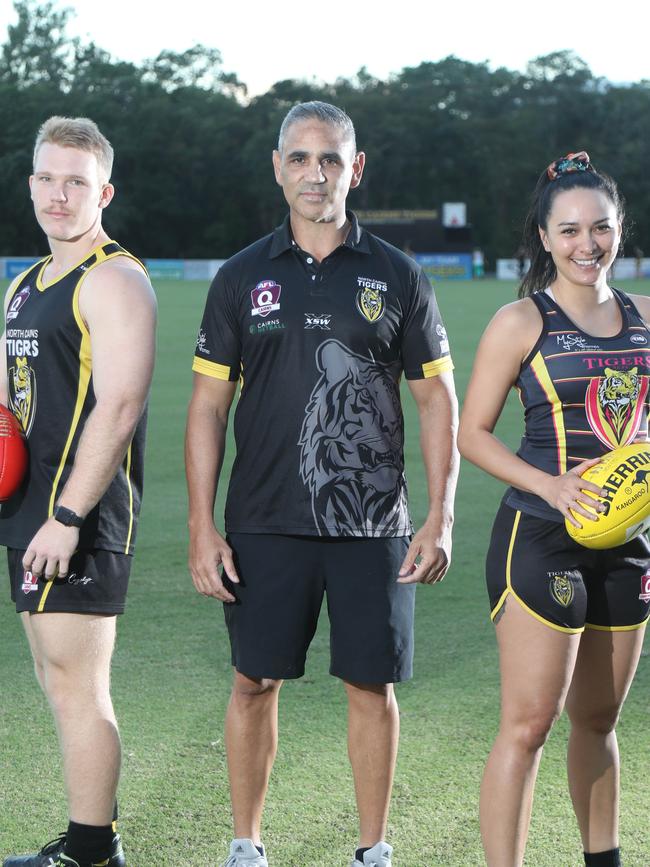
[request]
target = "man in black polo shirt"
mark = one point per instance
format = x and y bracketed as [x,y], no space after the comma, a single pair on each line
[318,321]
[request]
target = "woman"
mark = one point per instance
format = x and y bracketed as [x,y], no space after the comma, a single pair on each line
[569,621]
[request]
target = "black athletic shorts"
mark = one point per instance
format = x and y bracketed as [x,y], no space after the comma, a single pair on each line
[96,583]
[283,581]
[560,582]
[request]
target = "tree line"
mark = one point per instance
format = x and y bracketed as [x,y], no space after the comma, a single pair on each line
[193,152]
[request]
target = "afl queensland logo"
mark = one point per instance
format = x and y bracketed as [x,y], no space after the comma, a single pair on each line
[644,596]
[265,297]
[370,301]
[17,302]
[639,339]
[562,590]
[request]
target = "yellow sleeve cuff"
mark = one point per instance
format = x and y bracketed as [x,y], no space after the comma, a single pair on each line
[210,368]
[440,365]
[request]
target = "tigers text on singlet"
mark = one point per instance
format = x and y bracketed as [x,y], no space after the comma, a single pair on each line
[50,390]
[583,395]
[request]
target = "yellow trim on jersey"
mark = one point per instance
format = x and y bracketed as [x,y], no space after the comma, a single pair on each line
[16,281]
[127,471]
[44,595]
[440,365]
[211,368]
[540,370]
[509,589]
[100,255]
[631,628]
[85,369]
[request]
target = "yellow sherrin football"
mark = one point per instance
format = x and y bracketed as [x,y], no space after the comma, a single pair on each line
[624,476]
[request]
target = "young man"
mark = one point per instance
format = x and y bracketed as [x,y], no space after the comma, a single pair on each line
[319,319]
[77,357]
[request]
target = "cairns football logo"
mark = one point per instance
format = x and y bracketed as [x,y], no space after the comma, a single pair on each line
[351,446]
[614,405]
[370,301]
[22,393]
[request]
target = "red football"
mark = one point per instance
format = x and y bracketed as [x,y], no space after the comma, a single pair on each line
[13,454]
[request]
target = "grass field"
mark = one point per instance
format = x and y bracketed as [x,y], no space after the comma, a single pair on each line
[171,680]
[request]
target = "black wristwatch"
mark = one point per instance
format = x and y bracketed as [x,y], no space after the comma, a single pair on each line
[67,517]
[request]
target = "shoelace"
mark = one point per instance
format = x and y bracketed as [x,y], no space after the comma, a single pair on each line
[53,845]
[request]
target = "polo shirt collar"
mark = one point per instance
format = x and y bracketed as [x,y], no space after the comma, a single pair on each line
[282,239]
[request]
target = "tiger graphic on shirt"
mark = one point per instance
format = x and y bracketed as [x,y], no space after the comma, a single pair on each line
[351,446]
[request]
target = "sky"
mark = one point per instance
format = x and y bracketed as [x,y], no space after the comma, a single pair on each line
[263,42]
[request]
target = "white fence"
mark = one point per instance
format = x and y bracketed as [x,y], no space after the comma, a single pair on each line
[172,269]
[624,269]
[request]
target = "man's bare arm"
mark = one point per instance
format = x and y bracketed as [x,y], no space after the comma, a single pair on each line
[205,445]
[119,309]
[438,414]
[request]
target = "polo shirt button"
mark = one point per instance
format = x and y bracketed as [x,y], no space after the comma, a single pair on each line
[309,260]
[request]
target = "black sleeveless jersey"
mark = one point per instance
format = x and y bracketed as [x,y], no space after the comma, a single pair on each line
[583,395]
[50,388]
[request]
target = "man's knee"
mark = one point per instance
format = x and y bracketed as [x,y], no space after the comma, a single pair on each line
[72,672]
[254,690]
[370,697]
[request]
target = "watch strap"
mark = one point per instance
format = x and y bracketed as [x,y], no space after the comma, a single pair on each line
[67,517]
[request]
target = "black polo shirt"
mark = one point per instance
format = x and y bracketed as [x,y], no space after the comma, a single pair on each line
[320,349]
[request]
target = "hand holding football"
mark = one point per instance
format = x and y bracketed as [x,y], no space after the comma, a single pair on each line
[13,454]
[624,476]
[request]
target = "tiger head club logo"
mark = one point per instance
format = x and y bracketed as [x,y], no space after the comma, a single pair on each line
[265,298]
[17,302]
[370,301]
[561,588]
[22,393]
[614,405]
[644,595]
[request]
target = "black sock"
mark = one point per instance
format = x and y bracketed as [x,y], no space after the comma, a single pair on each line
[611,858]
[87,843]
[361,852]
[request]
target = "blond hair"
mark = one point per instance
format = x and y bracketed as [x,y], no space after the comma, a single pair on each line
[77,132]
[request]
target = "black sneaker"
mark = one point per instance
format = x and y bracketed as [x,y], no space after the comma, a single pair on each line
[51,855]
